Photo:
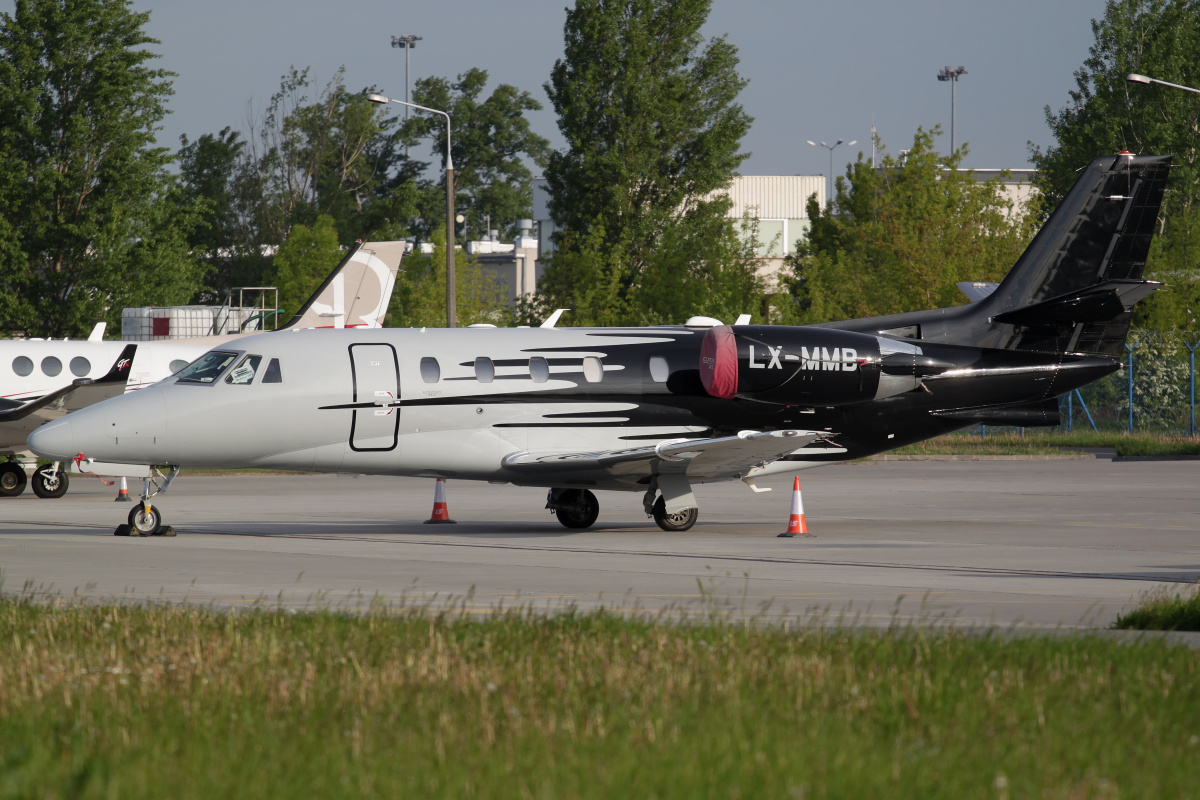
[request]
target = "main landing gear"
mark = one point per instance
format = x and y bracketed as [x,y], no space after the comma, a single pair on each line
[145,519]
[578,508]
[12,479]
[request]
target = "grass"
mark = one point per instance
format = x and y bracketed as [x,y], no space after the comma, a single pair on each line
[1164,610]
[1046,443]
[184,702]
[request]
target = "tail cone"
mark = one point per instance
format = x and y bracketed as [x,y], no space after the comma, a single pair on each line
[796,524]
[441,514]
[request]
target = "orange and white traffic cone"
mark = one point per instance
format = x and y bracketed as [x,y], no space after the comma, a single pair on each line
[441,514]
[123,492]
[796,524]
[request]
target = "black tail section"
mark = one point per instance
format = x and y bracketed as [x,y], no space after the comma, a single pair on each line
[1074,287]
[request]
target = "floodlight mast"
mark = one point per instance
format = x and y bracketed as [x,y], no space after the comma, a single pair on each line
[451,299]
[951,74]
[407,43]
[831,148]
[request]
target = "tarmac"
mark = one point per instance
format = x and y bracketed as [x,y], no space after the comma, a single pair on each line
[1010,544]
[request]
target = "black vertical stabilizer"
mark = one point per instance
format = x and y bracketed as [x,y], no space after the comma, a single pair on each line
[1073,288]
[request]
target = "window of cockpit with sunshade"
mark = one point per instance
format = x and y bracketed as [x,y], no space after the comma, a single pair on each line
[243,374]
[207,368]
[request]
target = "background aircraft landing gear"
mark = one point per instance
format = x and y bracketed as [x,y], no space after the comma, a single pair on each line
[12,479]
[50,481]
[575,508]
[680,521]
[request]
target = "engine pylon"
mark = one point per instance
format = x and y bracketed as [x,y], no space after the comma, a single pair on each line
[441,513]
[796,524]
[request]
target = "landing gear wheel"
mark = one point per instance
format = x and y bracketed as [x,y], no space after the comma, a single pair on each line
[12,479]
[144,521]
[49,483]
[680,521]
[578,508]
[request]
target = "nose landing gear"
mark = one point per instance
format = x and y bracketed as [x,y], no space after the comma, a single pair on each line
[145,519]
[50,482]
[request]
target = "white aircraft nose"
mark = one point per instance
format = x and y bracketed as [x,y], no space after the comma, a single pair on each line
[55,440]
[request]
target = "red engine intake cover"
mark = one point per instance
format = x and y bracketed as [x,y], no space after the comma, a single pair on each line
[719,362]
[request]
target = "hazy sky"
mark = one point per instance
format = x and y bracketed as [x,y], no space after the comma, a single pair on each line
[816,70]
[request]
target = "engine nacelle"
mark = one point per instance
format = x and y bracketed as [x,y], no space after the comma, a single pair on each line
[809,366]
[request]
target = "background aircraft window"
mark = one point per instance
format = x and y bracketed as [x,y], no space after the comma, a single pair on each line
[22,366]
[51,366]
[593,370]
[485,371]
[659,371]
[177,364]
[539,370]
[208,367]
[244,372]
[431,370]
[80,366]
[273,375]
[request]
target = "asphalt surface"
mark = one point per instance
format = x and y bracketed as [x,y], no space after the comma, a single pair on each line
[1014,544]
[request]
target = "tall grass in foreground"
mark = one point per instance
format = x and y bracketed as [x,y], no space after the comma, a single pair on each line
[1164,610]
[189,703]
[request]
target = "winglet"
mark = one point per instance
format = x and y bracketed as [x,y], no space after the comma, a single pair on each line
[97,334]
[120,368]
[744,319]
[356,294]
[552,320]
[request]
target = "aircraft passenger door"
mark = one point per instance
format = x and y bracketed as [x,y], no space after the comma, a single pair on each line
[376,375]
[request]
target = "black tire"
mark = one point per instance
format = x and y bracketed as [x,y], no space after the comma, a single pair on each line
[49,484]
[12,479]
[578,509]
[144,521]
[681,521]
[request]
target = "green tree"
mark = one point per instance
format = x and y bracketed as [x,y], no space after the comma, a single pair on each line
[419,297]
[492,142]
[1106,114]
[649,112]
[304,260]
[90,219]
[900,237]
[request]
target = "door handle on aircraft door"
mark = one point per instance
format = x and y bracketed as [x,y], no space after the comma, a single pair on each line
[384,398]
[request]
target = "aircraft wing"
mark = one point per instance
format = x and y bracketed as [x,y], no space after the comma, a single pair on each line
[72,397]
[700,460]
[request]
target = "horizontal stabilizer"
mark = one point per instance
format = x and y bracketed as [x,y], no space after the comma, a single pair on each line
[1024,415]
[1102,302]
[701,459]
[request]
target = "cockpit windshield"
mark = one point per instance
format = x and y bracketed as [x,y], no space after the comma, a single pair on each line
[207,368]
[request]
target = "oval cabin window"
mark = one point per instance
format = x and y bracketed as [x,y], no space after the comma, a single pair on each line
[593,370]
[80,366]
[22,366]
[539,370]
[431,370]
[51,366]
[485,371]
[659,371]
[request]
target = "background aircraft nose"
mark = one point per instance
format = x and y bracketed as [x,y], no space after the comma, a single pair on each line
[55,440]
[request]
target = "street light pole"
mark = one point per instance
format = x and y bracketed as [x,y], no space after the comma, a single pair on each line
[451,310]
[1133,77]
[951,74]
[407,43]
[831,148]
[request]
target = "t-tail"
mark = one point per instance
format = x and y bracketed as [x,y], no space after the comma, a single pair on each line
[1074,287]
[357,293]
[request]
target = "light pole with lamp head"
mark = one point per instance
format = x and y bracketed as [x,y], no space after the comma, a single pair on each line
[831,148]
[407,43]
[951,74]
[1133,77]
[451,310]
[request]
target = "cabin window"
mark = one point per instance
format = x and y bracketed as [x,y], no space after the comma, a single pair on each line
[80,366]
[244,372]
[431,370]
[207,368]
[51,366]
[485,371]
[659,371]
[539,370]
[22,366]
[272,374]
[177,364]
[593,370]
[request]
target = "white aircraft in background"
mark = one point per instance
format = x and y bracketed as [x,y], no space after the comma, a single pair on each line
[40,378]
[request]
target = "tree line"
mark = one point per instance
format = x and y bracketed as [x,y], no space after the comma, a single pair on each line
[96,215]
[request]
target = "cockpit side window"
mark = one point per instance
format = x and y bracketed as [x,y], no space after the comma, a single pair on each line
[272,374]
[243,374]
[207,368]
